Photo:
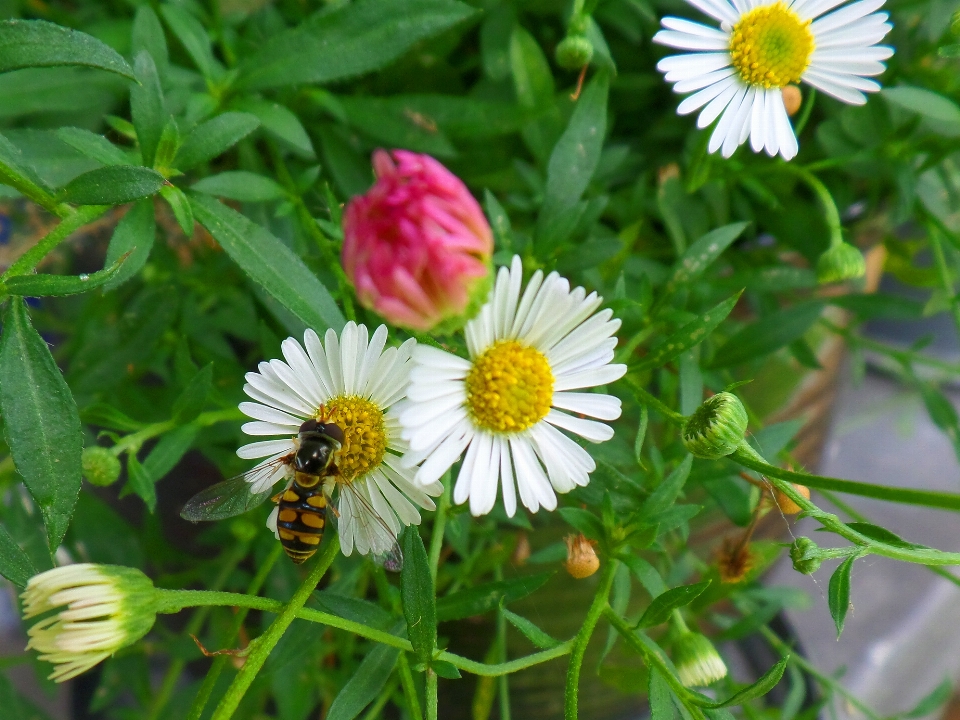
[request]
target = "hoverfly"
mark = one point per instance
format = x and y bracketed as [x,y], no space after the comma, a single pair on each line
[302,505]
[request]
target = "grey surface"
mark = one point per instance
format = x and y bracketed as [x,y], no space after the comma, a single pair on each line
[902,634]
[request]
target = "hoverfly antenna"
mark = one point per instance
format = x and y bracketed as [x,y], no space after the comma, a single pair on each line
[310,426]
[332,430]
[325,412]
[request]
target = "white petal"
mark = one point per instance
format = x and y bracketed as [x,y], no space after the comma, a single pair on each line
[604,407]
[506,477]
[728,124]
[590,378]
[269,414]
[486,477]
[445,455]
[318,357]
[686,41]
[701,98]
[530,295]
[757,114]
[694,28]
[787,138]
[265,428]
[589,429]
[535,490]
[296,406]
[830,87]
[845,16]
[427,356]
[331,344]
[370,359]
[702,81]
[300,364]
[461,490]
[716,106]
[717,9]
[688,65]
[264,448]
[424,435]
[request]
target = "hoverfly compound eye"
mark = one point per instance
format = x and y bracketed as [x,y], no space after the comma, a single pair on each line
[310,426]
[333,430]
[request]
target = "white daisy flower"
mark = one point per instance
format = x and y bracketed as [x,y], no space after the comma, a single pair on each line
[504,405]
[738,71]
[353,383]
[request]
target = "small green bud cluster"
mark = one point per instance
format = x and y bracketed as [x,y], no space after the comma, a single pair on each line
[575,51]
[100,466]
[806,556]
[717,427]
[840,262]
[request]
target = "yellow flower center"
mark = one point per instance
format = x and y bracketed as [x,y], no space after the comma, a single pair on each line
[771,46]
[509,387]
[365,438]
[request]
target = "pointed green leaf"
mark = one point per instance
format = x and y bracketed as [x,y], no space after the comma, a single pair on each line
[147,107]
[659,610]
[667,492]
[584,521]
[15,564]
[416,592]
[37,43]
[534,634]
[759,688]
[349,40]
[194,39]
[661,698]
[214,137]
[270,263]
[41,421]
[168,452]
[690,335]
[365,684]
[768,334]
[194,396]
[132,238]
[241,185]
[93,146]
[641,434]
[486,596]
[112,185]
[838,593]
[148,35]
[139,482]
[702,253]
[43,285]
[282,124]
[180,206]
[925,102]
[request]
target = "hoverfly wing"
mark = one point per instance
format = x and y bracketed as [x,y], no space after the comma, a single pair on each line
[376,531]
[231,497]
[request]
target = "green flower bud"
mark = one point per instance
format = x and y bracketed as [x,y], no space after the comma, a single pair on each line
[716,428]
[840,262]
[99,610]
[100,466]
[574,52]
[697,660]
[805,555]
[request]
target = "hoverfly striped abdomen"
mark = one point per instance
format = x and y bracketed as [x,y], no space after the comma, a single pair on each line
[300,520]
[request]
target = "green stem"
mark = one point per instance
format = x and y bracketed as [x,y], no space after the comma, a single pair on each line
[431,694]
[830,212]
[409,688]
[805,113]
[134,441]
[653,661]
[647,398]
[216,667]
[941,260]
[71,222]
[783,480]
[439,525]
[264,645]
[172,601]
[901,356]
[27,187]
[582,639]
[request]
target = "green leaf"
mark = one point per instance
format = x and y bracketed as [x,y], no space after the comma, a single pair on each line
[933,701]
[241,185]
[349,40]
[534,634]
[445,669]
[148,35]
[690,335]
[881,535]
[106,416]
[534,87]
[641,434]
[57,285]
[215,137]
[36,43]
[416,592]
[487,596]
[140,482]
[93,146]
[282,124]
[16,172]
[880,305]
[350,608]
[133,238]
[270,263]
[577,152]
[660,698]
[646,573]
[925,102]
[759,688]
[194,39]
[699,256]
[659,610]
[583,520]
[838,594]
[667,492]
[194,396]
[768,334]
[147,107]
[168,452]
[395,125]
[180,206]
[15,565]
[365,683]
[41,423]
[112,185]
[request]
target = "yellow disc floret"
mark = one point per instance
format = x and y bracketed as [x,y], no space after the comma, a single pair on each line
[771,46]
[365,438]
[509,387]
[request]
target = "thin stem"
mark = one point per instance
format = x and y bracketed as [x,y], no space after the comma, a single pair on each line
[172,601]
[134,441]
[71,222]
[409,688]
[264,645]
[216,667]
[431,694]
[582,639]
[805,113]
[830,212]
[941,260]
[27,187]
[439,525]
[647,398]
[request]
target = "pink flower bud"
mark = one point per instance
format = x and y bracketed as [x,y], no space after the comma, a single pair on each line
[417,246]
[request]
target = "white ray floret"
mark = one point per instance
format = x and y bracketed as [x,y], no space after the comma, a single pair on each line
[359,383]
[505,407]
[736,73]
